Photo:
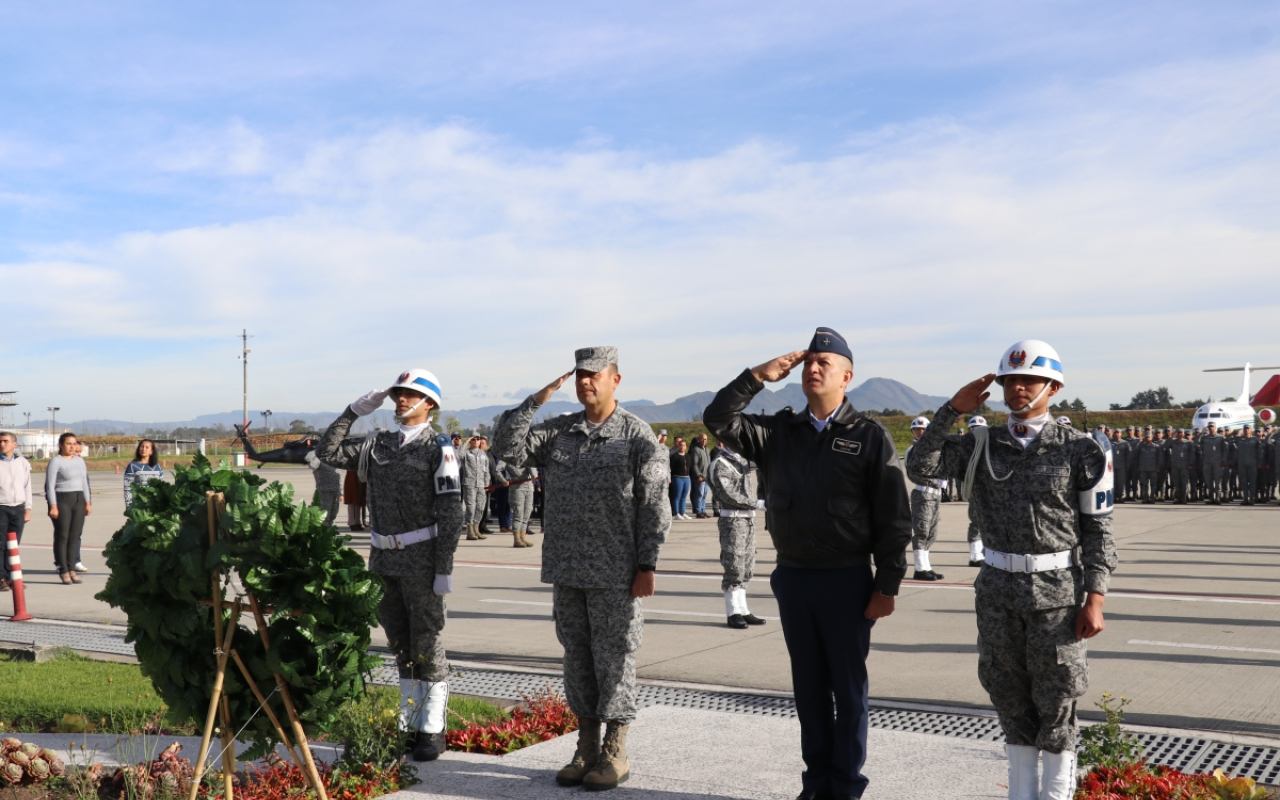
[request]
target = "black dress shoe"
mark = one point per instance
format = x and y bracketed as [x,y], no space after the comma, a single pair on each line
[813,794]
[927,575]
[428,747]
[752,619]
[737,621]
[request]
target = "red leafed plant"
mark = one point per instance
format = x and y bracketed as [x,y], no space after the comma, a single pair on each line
[1137,780]
[544,717]
[279,779]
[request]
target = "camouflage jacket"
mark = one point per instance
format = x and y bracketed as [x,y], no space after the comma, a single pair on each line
[1182,454]
[1150,457]
[1037,510]
[402,496]
[1249,451]
[733,482]
[479,469]
[605,509]
[327,479]
[1213,449]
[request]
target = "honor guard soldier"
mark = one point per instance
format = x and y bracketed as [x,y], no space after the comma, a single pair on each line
[1213,453]
[328,487]
[926,497]
[1044,496]
[606,516]
[836,501]
[415,515]
[976,558]
[733,485]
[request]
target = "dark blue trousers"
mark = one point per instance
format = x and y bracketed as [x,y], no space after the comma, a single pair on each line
[828,638]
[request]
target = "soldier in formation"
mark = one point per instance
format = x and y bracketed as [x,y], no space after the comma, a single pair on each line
[1249,454]
[479,470]
[1181,463]
[415,526]
[1213,455]
[926,498]
[1044,495]
[606,516]
[1150,458]
[520,481]
[733,485]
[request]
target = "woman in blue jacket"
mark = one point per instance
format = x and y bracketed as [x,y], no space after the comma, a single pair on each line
[144,467]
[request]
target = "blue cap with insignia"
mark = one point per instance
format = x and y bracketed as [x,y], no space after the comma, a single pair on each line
[826,340]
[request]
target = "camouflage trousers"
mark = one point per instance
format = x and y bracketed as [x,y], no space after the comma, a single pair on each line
[1181,477]
[475,503]
[737,551]
[1034,668]
[975,533]
[521,500]
[1249,482]
[924,519]
[328,502]
[1213,481]
[1149,484]
[600,630]
[413,616]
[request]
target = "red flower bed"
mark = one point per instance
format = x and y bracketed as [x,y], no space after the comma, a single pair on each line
[546,717]
[280,779]
[1140,781]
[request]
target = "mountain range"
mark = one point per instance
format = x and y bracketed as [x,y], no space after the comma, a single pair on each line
[874,394]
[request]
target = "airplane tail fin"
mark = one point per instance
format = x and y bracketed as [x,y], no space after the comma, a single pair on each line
[243,435]
[1269,394]
[1247,369]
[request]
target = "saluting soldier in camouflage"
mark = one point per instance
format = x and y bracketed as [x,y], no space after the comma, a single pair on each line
[733,484]
[415,515]
[606,515]
[478,470]
[1044,496]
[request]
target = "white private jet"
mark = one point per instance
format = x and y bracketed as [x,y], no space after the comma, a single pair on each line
[1238,413]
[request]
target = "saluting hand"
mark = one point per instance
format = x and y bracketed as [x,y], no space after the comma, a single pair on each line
[545,393]
[780,367]
[973,395]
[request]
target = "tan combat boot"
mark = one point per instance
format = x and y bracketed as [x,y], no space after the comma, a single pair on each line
[586,756]
[613,767]
[471,533]
[515,539]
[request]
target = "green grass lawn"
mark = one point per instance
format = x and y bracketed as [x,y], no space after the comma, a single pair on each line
[76,694]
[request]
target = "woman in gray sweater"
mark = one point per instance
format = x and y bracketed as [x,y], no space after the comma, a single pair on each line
[66,488]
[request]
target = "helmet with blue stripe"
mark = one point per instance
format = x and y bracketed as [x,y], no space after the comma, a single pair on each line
[1030,357]
[420,381]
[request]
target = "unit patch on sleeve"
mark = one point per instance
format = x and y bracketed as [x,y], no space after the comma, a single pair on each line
[846,446]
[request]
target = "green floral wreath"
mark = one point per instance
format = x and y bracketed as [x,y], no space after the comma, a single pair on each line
[324,599]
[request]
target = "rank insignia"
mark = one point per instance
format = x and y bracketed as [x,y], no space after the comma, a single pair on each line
[1020,430]
[1017,358]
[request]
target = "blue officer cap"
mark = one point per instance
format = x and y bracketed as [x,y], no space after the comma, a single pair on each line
[826,340]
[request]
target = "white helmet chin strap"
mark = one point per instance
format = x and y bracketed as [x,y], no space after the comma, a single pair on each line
[415,406]
[1034,400]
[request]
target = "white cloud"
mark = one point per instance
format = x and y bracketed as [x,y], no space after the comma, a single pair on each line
[1127,221]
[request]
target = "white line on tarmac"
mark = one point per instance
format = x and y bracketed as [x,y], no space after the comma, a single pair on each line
[647,610]
[1205,646]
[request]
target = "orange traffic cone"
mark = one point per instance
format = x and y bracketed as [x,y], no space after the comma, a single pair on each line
[15,578]
[117,469]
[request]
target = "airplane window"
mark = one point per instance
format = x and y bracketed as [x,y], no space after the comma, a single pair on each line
[1202,415]
[1215,415]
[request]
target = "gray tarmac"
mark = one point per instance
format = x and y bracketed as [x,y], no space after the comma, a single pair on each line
[1192,638]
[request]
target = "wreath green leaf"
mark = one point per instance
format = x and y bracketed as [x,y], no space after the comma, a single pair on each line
[324,598]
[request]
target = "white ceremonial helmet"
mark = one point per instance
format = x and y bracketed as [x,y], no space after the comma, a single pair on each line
[977,422]
[422,382]
[919,422]
[1064,420]
[1030,357]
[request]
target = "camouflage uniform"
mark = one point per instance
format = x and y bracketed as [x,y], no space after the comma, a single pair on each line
[1150,457]
[1248,457]
[606,516]
[1120,461]
[328,487]
[1213,451]
[403,498]
[521,497]
[734,486]
[1029,660]
[1181,462]
[478,471]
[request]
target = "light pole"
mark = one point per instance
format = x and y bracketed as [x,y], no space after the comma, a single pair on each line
[266,421]
[54,411]
[27,414]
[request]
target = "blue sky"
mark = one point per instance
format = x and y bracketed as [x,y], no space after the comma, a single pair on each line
[480,191]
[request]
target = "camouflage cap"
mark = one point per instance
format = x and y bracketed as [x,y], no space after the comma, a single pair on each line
[595,359]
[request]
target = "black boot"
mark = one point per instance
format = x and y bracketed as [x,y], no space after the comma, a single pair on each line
[428,747]
[752,619]
[737,621]
[927,575]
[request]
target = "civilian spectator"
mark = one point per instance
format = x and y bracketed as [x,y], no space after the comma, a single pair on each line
[679,480]
[66,488]
[144,466]
[353,494]
[15,495]
[699,463]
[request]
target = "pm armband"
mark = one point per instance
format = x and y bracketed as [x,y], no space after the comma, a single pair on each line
[1099,499]
[448,477]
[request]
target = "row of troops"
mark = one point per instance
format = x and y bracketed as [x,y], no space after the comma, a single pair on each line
[1184,466]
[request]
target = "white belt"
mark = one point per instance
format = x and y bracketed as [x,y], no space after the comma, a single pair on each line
[1015,562]
[737,512]
[928,490]
[403,540]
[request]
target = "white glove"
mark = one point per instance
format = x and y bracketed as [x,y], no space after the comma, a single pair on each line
[443,584]
[370,403]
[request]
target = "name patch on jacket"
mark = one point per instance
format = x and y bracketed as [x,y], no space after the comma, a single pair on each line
[846,446]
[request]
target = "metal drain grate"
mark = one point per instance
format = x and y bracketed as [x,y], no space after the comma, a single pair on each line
[1188,754]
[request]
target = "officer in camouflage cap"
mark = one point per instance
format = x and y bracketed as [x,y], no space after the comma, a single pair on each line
[733,485]
[606,515]
[415,515]
[1044,495]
